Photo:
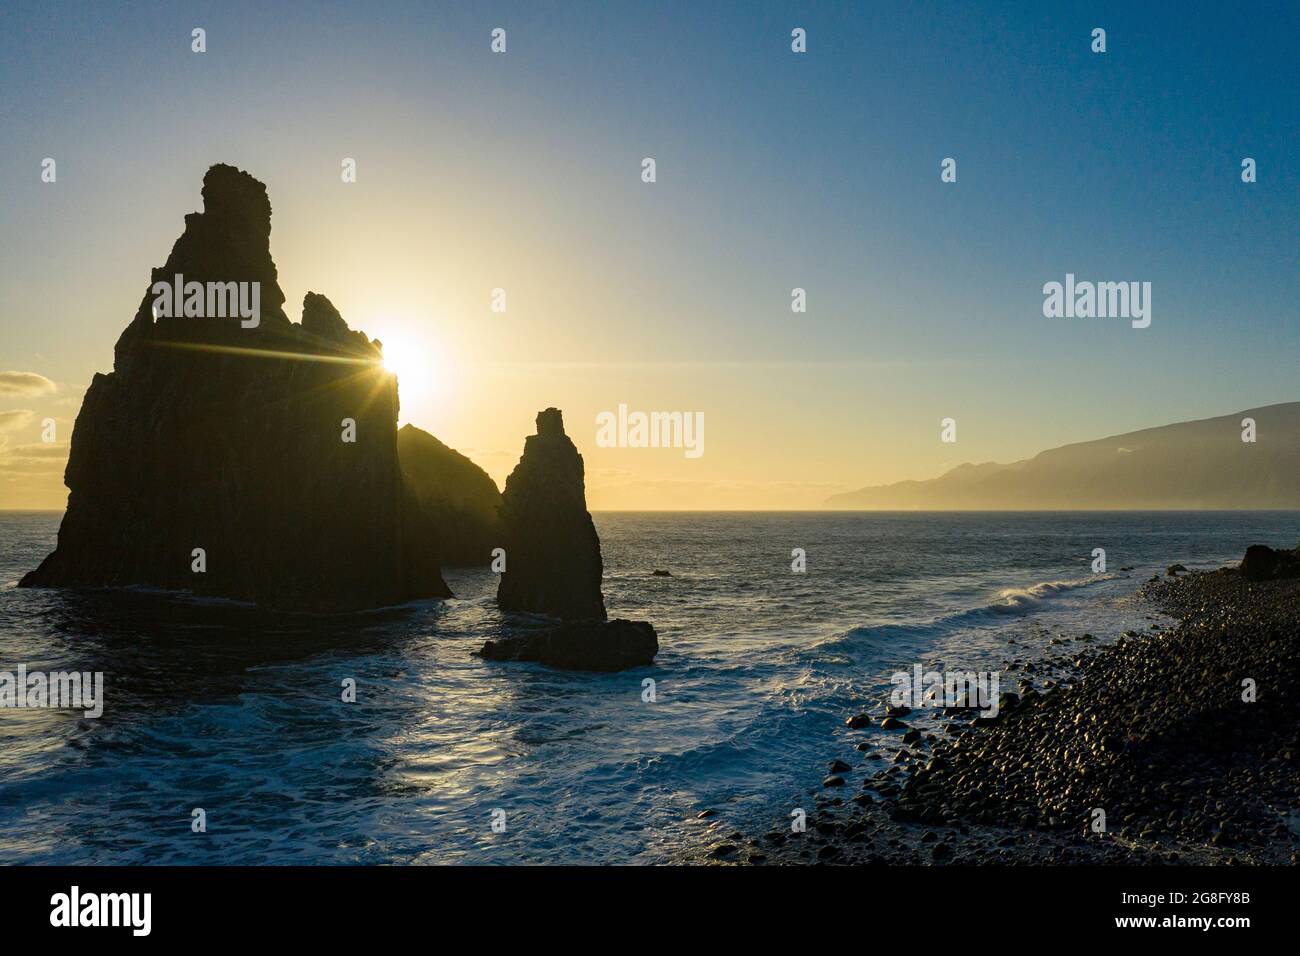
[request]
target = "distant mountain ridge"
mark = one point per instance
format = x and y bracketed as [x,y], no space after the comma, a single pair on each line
[1196,465]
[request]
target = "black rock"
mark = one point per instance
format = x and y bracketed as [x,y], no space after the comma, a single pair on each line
[1263,563]
[209,434]
[553,562]
[458,497]
[581,645]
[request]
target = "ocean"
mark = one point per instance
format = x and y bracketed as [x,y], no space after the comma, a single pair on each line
[446,758]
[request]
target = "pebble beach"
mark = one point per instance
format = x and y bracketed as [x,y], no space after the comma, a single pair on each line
[1177,745]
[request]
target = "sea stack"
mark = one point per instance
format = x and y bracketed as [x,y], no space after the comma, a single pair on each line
[554,567]
[553,563]
[239,455]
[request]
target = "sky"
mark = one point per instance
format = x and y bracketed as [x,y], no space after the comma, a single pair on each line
[775,170]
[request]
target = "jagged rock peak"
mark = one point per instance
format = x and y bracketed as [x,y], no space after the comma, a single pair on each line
[550,423]
[230,241]
[319,317]
[232,193]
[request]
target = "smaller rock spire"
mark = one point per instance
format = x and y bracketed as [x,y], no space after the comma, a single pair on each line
[553,563]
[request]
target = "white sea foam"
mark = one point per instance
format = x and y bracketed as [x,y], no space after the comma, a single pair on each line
[1015,599]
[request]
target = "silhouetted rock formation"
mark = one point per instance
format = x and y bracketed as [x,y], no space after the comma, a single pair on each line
[226,438]
[456,495]
[553,563]
[581,645]
[1263,563]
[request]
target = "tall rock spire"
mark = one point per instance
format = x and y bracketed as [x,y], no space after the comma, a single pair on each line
[255,461]
[553,563]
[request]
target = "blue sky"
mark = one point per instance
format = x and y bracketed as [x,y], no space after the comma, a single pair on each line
[775,170]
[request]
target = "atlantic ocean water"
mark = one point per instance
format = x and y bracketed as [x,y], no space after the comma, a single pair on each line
[222,707]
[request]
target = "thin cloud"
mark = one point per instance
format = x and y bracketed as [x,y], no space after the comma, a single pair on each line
[31,466]
[25,383]
[37,459]
[14,419]
[42,450]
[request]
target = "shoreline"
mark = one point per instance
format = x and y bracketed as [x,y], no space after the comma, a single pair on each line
[1150,728]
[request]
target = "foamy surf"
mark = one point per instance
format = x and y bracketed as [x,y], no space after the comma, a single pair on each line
[1014,600]
[1017,599]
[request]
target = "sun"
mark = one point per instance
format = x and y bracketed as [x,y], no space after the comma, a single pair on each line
[424,363]
[421,370]
[413,364]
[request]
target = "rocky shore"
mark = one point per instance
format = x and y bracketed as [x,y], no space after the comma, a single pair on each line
[1184,738]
